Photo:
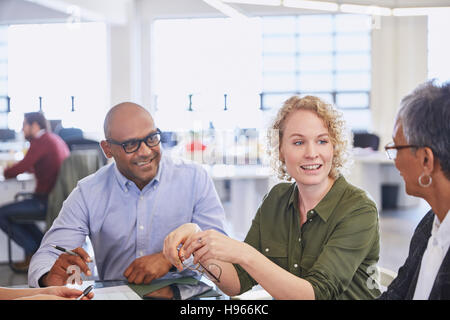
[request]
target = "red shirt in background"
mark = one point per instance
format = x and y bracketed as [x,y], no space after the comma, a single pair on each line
[44,158]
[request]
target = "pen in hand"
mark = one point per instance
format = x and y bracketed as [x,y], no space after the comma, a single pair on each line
[64,250]
[84,256]
[86,292]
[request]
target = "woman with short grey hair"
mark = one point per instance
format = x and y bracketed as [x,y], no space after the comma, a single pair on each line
[421,150]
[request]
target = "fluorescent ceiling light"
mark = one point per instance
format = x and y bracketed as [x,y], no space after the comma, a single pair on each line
[372,10]
[399,12]
[313,5]
[257,2]
[225,9]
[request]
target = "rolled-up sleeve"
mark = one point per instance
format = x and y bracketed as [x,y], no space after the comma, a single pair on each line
[347,248]
[69,230]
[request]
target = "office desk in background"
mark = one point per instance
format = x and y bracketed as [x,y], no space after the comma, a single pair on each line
[371,170]
[241,190]
[9,187]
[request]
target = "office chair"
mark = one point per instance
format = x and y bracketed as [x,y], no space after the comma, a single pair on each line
[70,133]
[168,139]
[77,143]
[366,140]
[78,165]
[7,134]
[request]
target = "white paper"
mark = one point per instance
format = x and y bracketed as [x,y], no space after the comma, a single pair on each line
[115,293]
[122,292]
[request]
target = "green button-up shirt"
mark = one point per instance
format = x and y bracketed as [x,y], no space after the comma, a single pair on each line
[336,249]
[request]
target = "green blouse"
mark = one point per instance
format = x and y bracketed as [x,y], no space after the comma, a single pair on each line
[336,249]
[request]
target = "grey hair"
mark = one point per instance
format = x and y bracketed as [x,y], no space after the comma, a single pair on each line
[425,117]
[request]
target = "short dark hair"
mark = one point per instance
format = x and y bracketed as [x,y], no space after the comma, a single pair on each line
[39,118]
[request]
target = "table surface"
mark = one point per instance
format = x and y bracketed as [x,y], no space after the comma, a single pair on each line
[121,290]
[21,177]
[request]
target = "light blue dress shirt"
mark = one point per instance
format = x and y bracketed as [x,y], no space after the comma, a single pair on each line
[125,223]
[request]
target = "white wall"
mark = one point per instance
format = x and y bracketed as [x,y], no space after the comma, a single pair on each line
[399,64]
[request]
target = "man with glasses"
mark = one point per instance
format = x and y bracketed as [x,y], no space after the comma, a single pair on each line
[127,208]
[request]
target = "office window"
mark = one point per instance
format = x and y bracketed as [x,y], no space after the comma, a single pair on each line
[258,63]
[3,76]
[324,55]
[196,63]
[56,62]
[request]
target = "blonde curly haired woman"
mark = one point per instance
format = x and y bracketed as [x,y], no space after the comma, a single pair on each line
[314,238]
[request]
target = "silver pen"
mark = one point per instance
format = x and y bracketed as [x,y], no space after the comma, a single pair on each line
[86,292]
[64,250]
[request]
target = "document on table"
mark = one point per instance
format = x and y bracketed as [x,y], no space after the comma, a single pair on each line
[115,293]
[122,292]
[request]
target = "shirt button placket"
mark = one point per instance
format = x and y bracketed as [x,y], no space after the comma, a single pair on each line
[140,236]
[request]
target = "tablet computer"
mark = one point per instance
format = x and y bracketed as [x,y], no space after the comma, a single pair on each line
[182,292]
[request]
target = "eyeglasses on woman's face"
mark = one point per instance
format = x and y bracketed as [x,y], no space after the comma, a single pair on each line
[133,145]
[392,149]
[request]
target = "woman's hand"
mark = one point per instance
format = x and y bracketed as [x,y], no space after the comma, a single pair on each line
[174,239]
[55,293]
[211,244]
[66,292]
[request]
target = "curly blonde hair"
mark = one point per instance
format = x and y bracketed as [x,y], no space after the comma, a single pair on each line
[332,119]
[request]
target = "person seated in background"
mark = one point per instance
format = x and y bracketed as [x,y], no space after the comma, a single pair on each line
[315,238]
[50,293]
[421,151]
[44,158]
[128,207]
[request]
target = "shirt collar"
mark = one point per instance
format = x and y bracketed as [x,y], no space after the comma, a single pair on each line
[39,134]
[126,183]
[441,230]
[328,203]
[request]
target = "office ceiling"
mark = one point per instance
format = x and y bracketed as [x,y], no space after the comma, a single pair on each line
[117,11]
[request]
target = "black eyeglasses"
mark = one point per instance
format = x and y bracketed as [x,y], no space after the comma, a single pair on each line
[391,149]
[212,271]
[133,145]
